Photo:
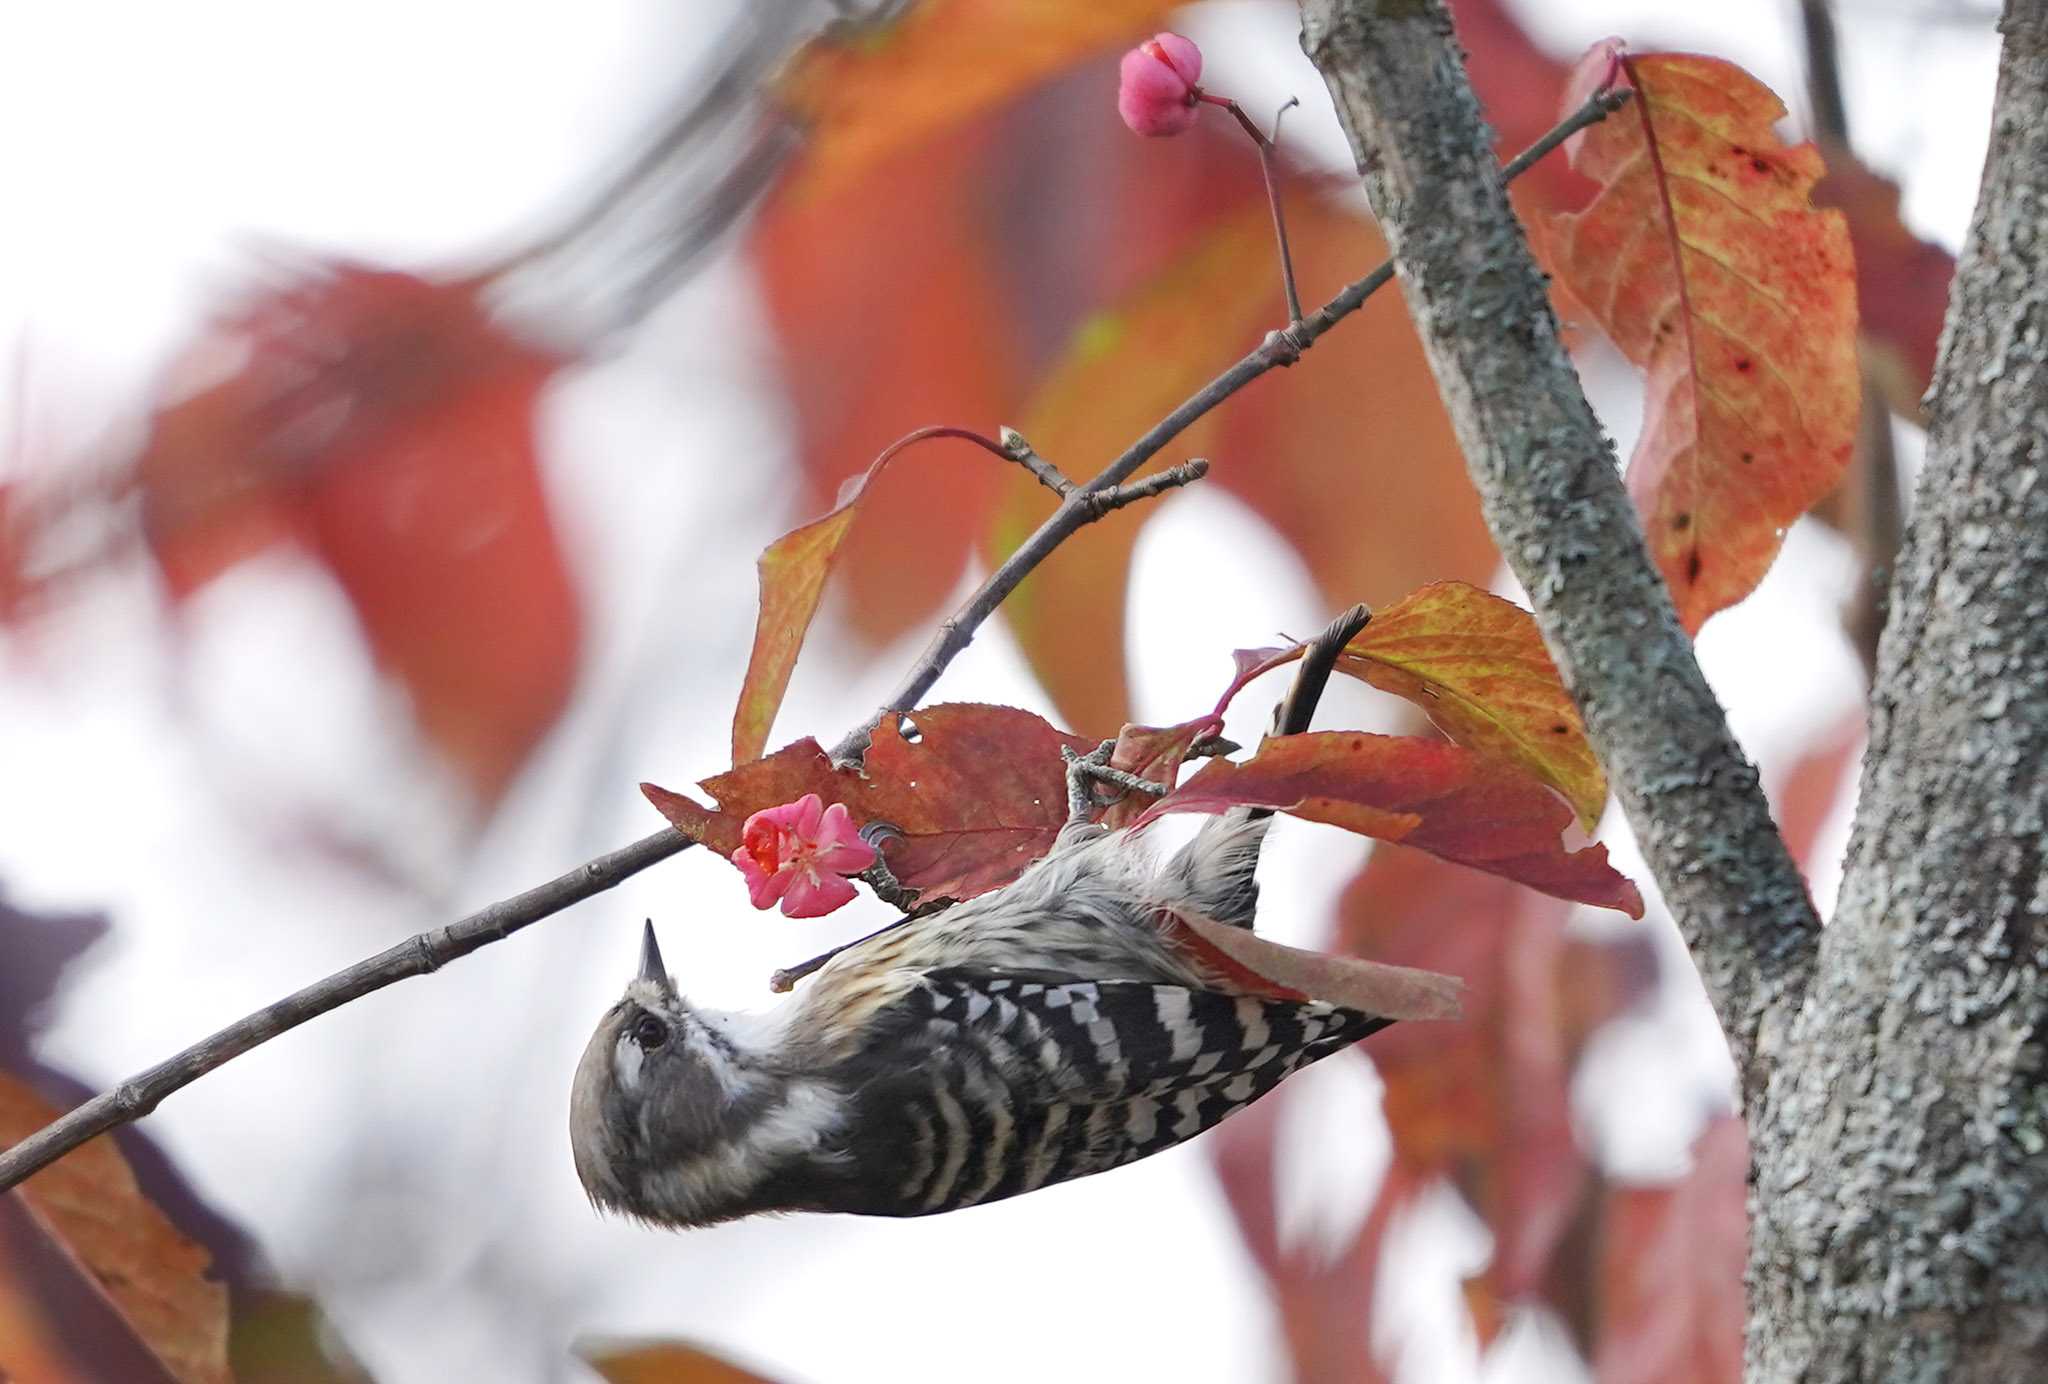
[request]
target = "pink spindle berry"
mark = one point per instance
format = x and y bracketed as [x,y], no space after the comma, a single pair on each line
[798,853]
[1156,88]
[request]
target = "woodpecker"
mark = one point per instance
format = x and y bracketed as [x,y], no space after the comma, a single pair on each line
[1037,1033]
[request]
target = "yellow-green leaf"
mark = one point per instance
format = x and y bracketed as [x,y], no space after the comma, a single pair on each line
[1476,664]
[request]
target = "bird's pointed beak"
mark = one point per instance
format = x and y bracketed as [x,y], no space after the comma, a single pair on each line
[650,960]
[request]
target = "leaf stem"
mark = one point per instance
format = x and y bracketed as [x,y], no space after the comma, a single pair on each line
[1270,171]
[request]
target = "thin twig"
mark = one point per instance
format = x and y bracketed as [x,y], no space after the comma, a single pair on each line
[1269,169]
[429,951]
[1824,71]
[1172,478]
[1021,452]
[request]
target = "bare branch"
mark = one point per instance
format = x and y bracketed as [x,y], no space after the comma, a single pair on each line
[429,951]
[1172,478]
[1547,479]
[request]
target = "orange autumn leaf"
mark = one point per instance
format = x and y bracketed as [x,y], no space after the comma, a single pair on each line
[663,1362]
[1476,665]
[1703,259]
[1465,807]
[384,423]
[793,570]
[869,91]
[154,1278]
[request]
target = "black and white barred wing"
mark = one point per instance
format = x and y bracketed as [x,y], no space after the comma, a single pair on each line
[982,1087]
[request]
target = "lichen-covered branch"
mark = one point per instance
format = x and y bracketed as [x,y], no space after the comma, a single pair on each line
[1547,479]
[1902,1232]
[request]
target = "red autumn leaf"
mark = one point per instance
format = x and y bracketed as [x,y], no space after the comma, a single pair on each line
[1902,281]
[152,1276]
[1439,798]
[1488,1101]
[1702,259]
[1477,666]
[870,91]
[1324,1301]
[386,424]
[1155,754]
[1804,799]
[1671,1267]
[975,796]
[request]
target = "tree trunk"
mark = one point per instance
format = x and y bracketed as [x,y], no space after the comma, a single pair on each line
[1893,1071]
[1902,1231]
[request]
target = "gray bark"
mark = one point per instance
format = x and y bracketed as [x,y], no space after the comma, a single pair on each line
[1547,478]
[1902,1232]
[1893,1066]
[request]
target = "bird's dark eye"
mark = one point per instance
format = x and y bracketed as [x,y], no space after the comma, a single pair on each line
[649,1032]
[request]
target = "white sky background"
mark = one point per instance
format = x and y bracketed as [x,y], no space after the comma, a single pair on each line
[406,1158]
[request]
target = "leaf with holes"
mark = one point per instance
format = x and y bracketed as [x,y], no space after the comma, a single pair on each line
[1444,799]
[972,794]
[1703,259]
[155,1279]
[1476,664]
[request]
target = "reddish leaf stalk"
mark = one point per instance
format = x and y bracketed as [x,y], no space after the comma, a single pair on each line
[1271,173]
